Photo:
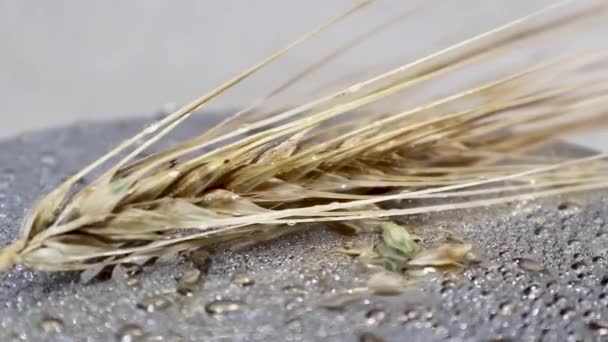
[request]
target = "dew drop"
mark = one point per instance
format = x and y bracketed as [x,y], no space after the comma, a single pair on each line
[539,230]
[242,279]
[185,291]
[505,308]
[291,305]
[222,307]
[578,266]
[529,264]
[533,291]
[447,285]
[375,316]
[154,303]
[410,315]
[569,207]
[50,325]
[599,327]
[567,313]
[130,333]
[574,243]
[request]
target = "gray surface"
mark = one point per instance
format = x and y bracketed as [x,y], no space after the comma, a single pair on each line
[495,301]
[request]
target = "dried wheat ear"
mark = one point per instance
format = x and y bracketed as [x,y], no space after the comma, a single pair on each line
[350,158]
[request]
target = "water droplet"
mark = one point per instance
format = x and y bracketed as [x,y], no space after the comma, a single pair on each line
[574,243]
[185,291]
[409,315]
[221,307]
[598,259]
[242,279]
[569,207]
[51,325]
[130,333]
[505,308]
[529,264]
[291,305]
[539,230]
[154,303]
[291,223]
[533,291]
[567,313]
[370,337]
[447,285]
[579,266]
[375,316]
[599,327]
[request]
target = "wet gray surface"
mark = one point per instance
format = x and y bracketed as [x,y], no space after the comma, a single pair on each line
[544,278]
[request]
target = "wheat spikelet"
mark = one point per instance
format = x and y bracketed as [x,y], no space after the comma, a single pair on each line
[338,159]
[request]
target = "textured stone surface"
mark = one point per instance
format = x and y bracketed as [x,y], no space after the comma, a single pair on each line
[504,298]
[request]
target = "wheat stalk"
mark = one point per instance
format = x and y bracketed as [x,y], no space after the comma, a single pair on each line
[337,159]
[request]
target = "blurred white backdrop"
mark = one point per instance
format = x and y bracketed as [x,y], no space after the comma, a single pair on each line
[68,60]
